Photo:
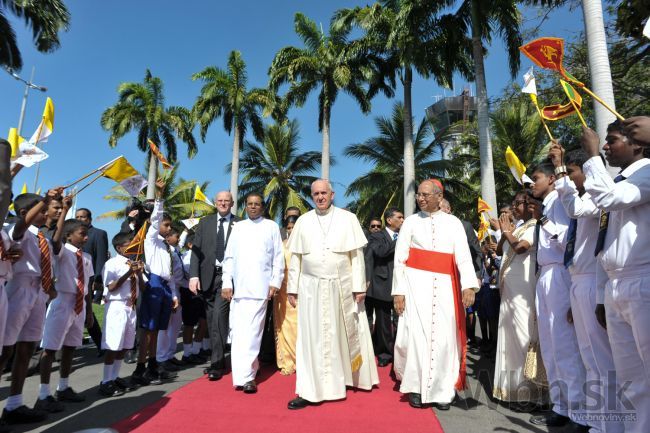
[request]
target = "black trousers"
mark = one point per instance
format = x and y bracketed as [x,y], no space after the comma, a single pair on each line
[217,312]
[383,336]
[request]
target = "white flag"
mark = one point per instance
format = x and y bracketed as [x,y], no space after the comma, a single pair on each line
[190,222]
[30,155]
[529,83]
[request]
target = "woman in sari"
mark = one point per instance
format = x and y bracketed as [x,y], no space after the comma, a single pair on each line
[517,324]
[285,317]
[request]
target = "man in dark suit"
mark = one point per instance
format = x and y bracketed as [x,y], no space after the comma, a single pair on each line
[379,255]
[97,247]
[210,241]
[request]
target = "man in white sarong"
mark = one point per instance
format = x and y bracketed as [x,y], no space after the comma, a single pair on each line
[431,256]
[327,283]
[254,264]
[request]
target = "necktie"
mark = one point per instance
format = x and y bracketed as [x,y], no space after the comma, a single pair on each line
[46,264]
[571,243]
[180,259]
[394,236]
[134,289]
[604,222]
[79,301]
[171,259]
[538,226]
[221,240]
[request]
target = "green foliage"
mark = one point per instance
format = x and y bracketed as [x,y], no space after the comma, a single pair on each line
[276,168]
[45,18]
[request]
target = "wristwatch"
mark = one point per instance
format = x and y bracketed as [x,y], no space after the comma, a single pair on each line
[560,170]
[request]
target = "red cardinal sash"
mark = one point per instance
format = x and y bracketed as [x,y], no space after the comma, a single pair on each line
[444,263]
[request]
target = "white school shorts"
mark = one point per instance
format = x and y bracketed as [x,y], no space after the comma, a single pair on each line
[3,312]
[63,327]
[25,310]
[119,326]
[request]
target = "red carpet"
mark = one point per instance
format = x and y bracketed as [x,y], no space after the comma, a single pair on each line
[204,406]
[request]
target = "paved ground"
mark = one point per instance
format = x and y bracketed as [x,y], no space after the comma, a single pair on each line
[475,413]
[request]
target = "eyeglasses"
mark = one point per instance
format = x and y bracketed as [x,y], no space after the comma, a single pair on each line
[375,226]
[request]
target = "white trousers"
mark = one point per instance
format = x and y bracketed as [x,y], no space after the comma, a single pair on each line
[557,337]
[596,356]
[627,303]
[247,326]
[166,346]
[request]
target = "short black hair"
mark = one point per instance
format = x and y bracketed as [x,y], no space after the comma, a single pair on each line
[523,192]
[545,167]
[616,126]
[26,201]
[292,208]
[121,238]
[173,231]
[290,219]
[70,225]
[90,214]
[254,194]
[190,238]
[390,212]
[374,219]
[576,157]
[166,217]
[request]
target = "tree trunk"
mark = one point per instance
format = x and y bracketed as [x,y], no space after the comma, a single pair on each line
[153,173]
[234,173]
[601,76]
[325,155]
[488,192]
[409,153]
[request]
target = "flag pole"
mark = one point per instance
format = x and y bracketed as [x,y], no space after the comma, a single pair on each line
[548,131]
[88,184]
[575,107]
[603,103]
[86,176]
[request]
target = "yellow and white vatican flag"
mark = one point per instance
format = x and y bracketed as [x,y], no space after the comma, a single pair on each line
[23,152]
[123,173]
[46,126]
[199,196]
[190,223]
[517,169]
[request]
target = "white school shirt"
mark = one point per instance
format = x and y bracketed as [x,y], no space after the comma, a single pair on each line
[552,234]
[114,268]
[6,269]
[585,211]
[29,264]
[253,260]
[628,202]
[67,275]
[157,251]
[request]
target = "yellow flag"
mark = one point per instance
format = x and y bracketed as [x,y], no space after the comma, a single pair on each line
[24,189]
[517,169]
[46,127]
[199,196]
[483,228]
[123,173]
[14,139]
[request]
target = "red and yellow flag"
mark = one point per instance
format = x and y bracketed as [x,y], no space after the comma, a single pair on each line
[548,53]
[159,155]
[137,243]
[560,111]
[483,206]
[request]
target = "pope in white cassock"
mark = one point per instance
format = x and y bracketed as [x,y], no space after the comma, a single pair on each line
[327,284]
[433,283]
[253,263]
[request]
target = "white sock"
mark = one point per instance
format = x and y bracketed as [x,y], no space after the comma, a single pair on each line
[108,370]
[196,347]
[44,391]
[117,364]
[63,384]
[14,401]
[206,343]
[187,350]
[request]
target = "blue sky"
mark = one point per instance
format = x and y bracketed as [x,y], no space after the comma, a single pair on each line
[112,42]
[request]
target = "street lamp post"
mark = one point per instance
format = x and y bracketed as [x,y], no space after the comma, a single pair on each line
[28,85]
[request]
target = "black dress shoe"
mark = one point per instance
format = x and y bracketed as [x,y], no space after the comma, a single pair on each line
[250,387]
[214,374]
[23,415]
[70,395]
[550,419]
[442,406]
[298,403]
[415,400]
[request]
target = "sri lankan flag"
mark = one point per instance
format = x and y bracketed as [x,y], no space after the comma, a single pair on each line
[136,246]
[548,53]
[560,111]
[159,155]
[483,206]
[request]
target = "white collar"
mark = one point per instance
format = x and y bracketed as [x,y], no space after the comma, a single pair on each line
[324,212]
[634,167]
[550,197]
[72,248]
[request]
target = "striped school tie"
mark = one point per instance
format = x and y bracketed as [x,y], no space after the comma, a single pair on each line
[134,290]
[603,223]
[569,251]
[79,301]
[46,264]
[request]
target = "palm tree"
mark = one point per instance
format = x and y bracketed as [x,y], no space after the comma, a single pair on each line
[178,194]
[141,107]
[411,36]
[45,18]
[381,187]
[224,94]
[278,170]
[324,64]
